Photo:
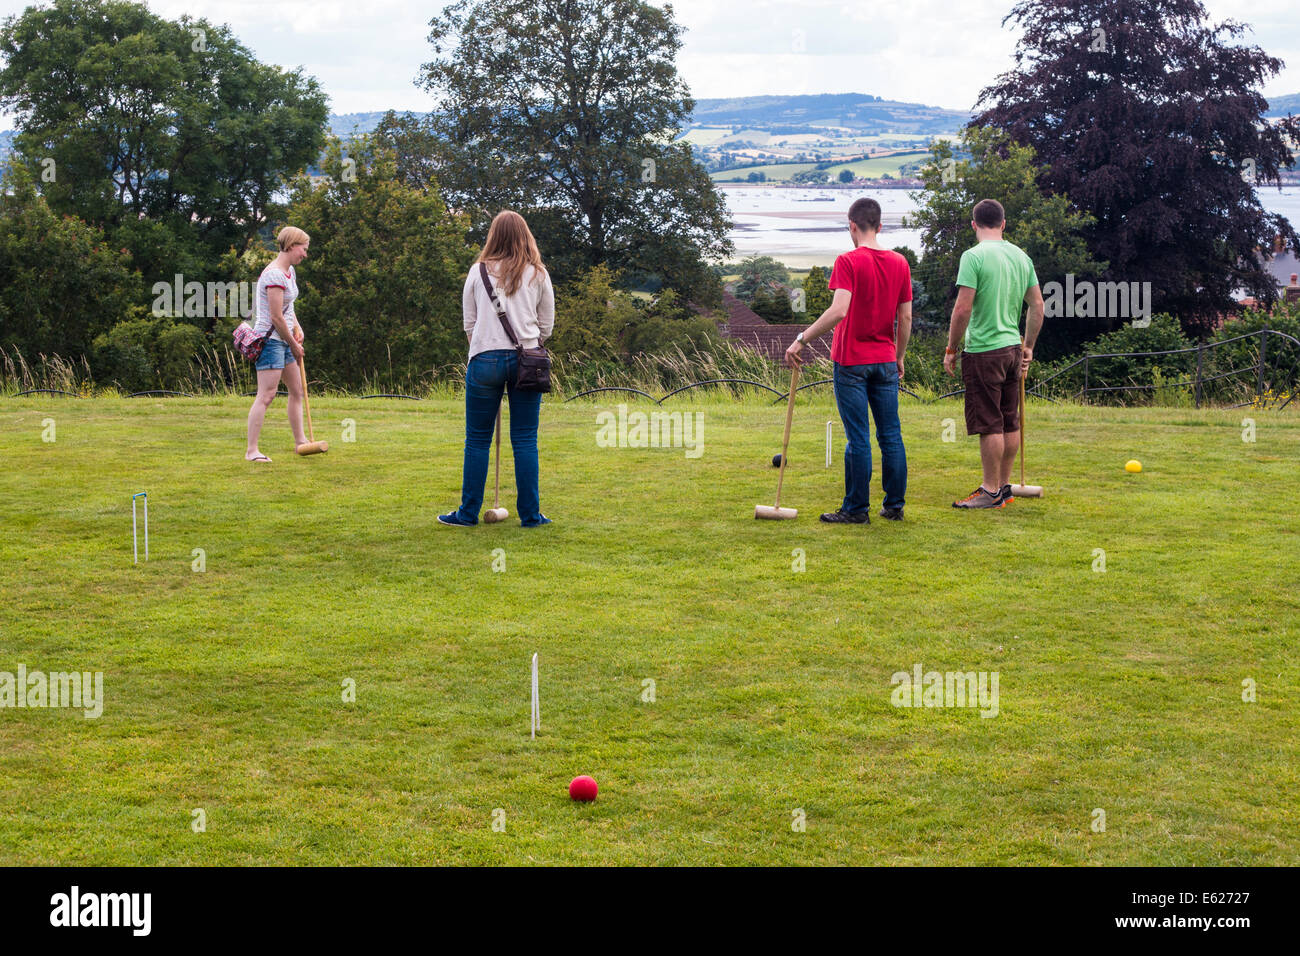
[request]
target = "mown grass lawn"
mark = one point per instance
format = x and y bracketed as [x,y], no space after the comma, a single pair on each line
[1119,691]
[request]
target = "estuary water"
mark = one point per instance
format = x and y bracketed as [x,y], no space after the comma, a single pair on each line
[807,227]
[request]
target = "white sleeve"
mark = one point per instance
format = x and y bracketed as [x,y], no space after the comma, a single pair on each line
[546,308]
[469,303]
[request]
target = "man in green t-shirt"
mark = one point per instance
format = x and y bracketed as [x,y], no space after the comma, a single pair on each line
[994,279]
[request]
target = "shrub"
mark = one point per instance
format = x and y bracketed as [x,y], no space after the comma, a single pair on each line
[143,354]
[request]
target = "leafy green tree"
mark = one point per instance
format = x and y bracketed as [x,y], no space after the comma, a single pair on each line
[907,253]
[1046,226]
[381,288]
[1151,119]
[146,353]
[415,148]
[61,282]
[811,176]
[596,315]
[846,176]
[597,320]
[816,296]
[167,133]
[760,273]
[558,108]
[773,305]
[668,324]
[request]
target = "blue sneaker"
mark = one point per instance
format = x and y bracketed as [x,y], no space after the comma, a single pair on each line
[454,518]
[541,520]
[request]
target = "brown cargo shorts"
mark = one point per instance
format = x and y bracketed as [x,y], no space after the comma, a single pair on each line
[992,381]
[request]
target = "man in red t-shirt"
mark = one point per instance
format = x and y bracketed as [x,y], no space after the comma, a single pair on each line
[873,295]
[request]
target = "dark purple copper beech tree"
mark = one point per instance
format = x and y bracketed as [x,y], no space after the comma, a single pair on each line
[1151,119]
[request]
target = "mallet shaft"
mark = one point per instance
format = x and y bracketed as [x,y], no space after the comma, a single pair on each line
[1022,427]
[785,442]
[306,402]
[496,490]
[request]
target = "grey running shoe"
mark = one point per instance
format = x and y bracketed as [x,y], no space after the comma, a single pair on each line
[979,498]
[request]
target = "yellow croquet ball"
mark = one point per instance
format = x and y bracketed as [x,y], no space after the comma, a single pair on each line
[1133,466]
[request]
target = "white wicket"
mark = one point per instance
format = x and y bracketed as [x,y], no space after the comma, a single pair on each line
[135,540]
[828,442]
[537,704]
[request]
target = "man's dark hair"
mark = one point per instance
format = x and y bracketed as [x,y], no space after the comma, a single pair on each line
[989,214]
[865,214]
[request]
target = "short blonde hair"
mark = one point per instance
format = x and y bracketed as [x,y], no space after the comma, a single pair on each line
[291,236]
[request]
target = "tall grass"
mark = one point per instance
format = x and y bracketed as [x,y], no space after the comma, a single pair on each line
[222,371]
[45,372]
[659,373]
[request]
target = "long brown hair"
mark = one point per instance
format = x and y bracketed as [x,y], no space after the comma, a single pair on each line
[511,246]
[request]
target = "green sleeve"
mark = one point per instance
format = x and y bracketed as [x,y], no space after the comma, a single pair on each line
[968,271]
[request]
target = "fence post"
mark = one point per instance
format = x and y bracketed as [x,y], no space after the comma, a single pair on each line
[1085,378]
[1200,351]
[1263,353]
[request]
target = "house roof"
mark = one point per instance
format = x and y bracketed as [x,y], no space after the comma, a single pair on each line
[773,340]
[740,315]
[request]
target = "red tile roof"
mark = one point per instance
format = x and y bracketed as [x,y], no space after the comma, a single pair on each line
[773,340]
[740,315]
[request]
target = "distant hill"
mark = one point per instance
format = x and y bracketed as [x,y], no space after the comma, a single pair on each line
[344,125]
[1284,105]
[859,112]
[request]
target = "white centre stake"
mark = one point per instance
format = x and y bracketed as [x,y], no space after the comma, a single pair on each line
[135,540]
[536,724]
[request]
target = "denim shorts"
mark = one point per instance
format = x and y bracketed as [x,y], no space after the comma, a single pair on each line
[275,354]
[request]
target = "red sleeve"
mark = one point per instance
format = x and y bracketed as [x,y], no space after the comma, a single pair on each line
[905,293]
[841,275]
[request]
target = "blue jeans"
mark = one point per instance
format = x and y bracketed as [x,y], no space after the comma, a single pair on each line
[857,388]
[488,375]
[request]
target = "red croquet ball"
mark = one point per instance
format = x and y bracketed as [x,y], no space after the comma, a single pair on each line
[583,788]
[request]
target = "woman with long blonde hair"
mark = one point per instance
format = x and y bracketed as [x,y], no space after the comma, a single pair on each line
[523,287]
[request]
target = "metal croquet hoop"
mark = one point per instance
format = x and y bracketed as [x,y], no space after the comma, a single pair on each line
[135,541]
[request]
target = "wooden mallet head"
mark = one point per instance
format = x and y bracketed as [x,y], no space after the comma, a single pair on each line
[313,448]
[1026,491]
[493,515]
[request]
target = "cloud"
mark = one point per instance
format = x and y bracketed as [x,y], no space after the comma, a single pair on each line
[367,53]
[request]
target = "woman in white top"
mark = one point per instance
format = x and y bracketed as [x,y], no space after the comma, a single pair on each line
[524,289]
[277,288]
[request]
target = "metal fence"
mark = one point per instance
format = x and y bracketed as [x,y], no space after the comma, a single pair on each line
[1197,383]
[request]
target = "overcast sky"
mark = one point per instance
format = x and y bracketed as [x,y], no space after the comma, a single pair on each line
[366,53]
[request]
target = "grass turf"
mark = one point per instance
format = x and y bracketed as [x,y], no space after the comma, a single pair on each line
[1119,691]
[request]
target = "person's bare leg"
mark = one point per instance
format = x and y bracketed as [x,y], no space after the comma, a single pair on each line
[991,461]
[1011,448]
[268,380]
[293,382]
